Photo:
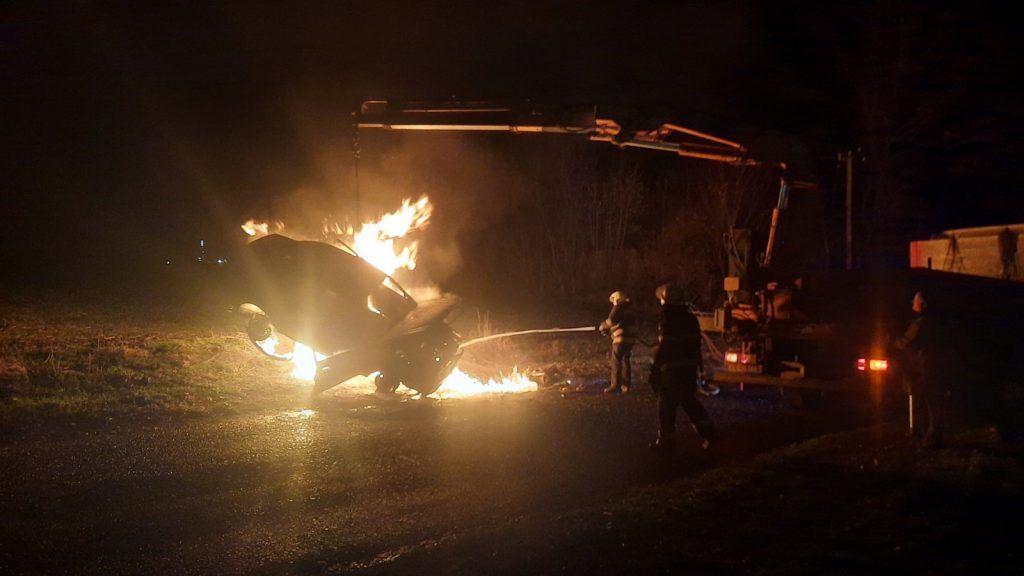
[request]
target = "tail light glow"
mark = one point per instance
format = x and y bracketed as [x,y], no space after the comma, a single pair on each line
[874,365]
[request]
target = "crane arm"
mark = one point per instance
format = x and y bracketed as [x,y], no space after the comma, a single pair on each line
[580,120]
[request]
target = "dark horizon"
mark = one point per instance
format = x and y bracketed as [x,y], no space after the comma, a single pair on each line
[134,131]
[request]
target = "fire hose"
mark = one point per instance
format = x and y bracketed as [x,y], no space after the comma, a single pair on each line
[521,332]
[704,387]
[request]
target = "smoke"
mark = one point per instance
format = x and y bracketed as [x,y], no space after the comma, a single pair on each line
[469,181]
[443,259]
[508,210]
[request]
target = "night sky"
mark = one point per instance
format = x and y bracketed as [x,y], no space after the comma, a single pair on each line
[132,129]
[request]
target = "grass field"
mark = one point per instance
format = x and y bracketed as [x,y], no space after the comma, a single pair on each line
[106,361]
[192,358]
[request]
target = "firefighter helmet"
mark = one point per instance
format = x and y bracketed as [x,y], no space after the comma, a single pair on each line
[670,294]
[919,303]
[618,296]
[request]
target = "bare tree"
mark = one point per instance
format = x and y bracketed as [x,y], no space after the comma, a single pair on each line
[699,210]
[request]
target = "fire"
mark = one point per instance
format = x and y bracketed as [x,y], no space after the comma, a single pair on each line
[305,359]
[375,241]
[258,229]
[458,384]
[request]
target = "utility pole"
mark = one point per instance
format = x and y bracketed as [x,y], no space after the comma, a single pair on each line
[848,156]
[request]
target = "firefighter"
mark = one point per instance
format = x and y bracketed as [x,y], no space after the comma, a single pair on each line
[677,360]
[621,327]
[919,347]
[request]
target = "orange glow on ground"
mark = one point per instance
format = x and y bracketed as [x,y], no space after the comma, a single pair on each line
[458,384]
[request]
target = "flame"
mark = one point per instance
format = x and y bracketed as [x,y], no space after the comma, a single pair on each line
[257,229]
[375,241]
[305,358]
[458,384]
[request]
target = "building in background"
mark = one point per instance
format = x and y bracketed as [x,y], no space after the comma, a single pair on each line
[990,251]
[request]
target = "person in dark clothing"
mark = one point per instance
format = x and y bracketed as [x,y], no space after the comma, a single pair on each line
[677,360]
[918,346]
[621,327]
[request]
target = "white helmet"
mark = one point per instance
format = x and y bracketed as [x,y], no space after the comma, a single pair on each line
[618,296]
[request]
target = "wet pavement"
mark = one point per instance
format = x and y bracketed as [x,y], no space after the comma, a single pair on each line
[350,484]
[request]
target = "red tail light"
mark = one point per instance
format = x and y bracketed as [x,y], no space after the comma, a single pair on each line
[874,364]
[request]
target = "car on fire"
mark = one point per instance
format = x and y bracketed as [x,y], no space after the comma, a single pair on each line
[357,319]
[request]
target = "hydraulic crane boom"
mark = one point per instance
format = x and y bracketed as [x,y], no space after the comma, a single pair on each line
[581,120]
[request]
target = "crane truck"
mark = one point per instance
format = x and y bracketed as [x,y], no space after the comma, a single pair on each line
[828,330]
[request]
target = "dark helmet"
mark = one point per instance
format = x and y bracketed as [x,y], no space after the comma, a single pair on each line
[670,294]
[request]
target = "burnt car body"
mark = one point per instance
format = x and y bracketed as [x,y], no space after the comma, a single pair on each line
[358,318]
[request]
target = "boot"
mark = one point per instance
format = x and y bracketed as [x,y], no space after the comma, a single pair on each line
[665,443]
[610,389]
[707,390]
[708,433]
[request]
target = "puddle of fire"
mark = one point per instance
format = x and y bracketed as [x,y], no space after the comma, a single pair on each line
[458,384]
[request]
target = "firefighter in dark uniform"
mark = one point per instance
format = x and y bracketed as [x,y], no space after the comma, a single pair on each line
[922,376]
[621,327]
[677,360]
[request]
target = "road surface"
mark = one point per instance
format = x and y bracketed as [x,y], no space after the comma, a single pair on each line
[355,483]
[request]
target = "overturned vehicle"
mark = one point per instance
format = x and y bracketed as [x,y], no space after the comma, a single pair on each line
[359,320]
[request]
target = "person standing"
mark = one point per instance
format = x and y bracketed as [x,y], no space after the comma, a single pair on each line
[918,345]
[677,360]
[621,327]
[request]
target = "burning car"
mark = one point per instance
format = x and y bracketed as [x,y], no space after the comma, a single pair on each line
[357,319]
